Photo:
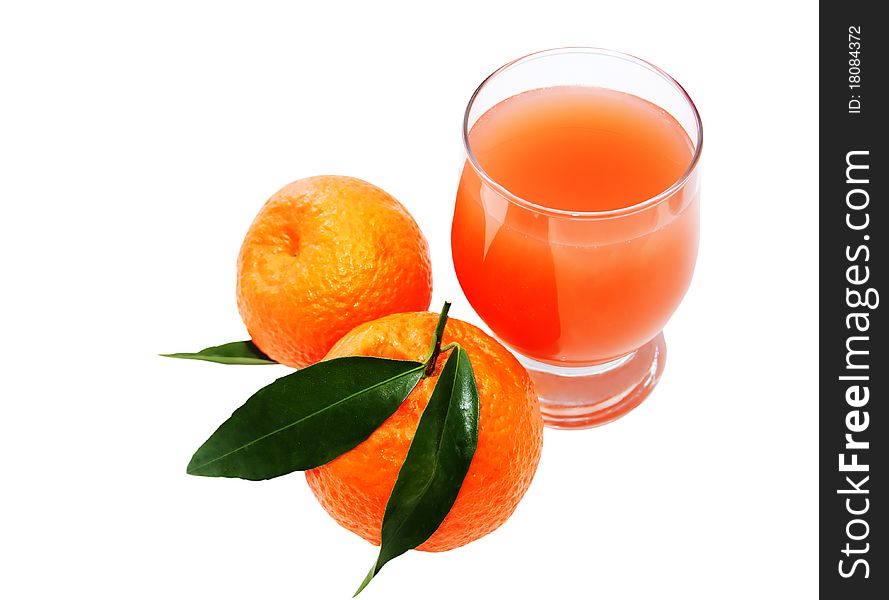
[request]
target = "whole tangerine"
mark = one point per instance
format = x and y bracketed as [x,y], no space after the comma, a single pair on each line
[323,255]
[355,487]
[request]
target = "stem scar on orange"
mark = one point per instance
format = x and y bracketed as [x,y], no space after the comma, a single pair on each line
[355,487]
[323,255]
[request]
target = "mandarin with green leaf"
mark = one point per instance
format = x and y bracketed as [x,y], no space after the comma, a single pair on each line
[355,487]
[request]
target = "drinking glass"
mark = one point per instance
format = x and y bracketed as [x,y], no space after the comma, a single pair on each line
[575,228]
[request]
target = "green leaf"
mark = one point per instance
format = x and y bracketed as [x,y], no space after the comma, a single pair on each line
[308,418]
[233,353]
[436,463]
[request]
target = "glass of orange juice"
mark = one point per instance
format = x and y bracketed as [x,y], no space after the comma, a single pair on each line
[575,229]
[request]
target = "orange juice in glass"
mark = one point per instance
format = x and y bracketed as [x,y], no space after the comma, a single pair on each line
[575,229]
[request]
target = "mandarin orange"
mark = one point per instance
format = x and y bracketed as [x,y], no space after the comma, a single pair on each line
[323,255]
[355,487]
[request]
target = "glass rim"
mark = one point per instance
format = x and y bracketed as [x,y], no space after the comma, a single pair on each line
[633,208]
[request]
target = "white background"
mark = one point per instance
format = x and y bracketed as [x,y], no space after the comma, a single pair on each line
[136,145]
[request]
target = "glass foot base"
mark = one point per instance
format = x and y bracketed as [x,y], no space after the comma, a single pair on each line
[582,397]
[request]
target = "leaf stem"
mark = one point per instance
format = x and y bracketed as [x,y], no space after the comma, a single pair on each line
[435,347]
